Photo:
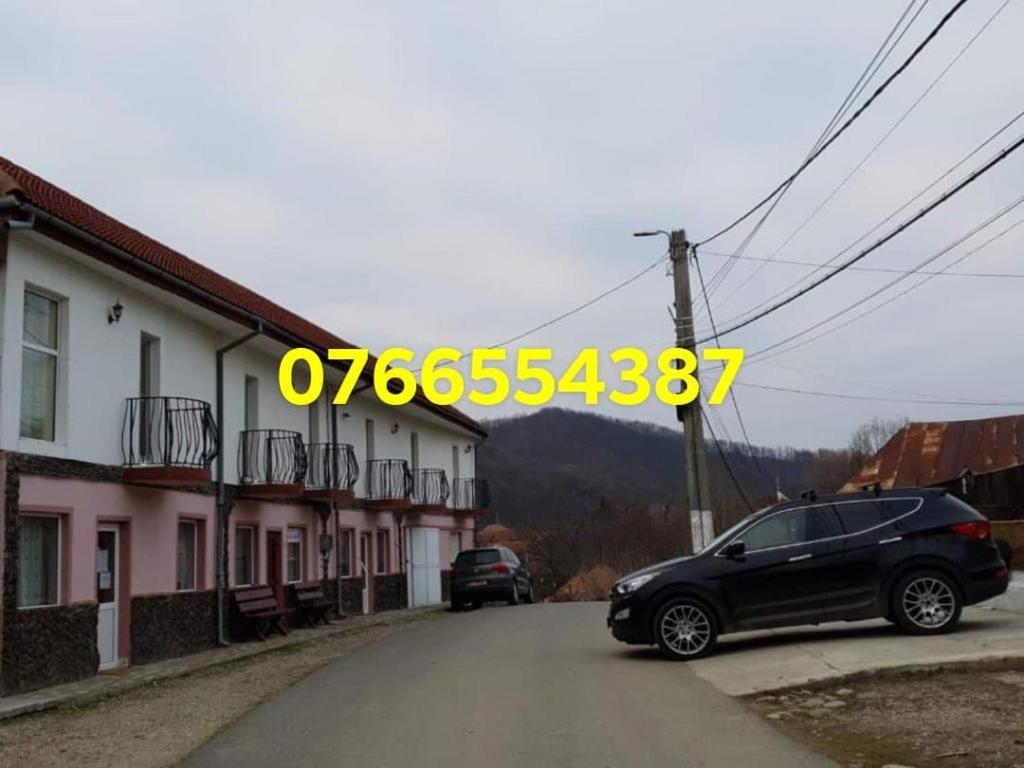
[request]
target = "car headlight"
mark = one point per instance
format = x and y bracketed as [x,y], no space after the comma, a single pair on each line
[632,585]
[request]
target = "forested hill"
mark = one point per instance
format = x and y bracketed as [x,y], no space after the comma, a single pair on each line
[557,461]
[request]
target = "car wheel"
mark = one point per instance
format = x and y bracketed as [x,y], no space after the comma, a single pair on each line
[926,603]
[458,605]
[685,629]
[513,598]
[529,594]
[475,605]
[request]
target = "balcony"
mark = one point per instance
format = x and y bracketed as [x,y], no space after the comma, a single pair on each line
[389,484]
[332,473]
[168,441]
[271,463]
[472,495]
[430,490]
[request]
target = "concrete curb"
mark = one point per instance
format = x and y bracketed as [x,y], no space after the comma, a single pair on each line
[95,689]
[964,663]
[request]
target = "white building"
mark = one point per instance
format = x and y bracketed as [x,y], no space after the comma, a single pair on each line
[110,416]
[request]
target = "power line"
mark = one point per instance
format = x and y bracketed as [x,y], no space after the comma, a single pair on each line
[873,149]
[732,394]
[884,270]
[970,178]
[920,193]
[869,72]
[888,301]
[579,308]
[725,461]
[845,396]
[842,129]
[938,254]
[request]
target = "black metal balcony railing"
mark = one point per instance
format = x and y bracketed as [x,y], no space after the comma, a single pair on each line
[271,457]
[430,486]
[331,467]
[471,493]
[388,479]
[168,432]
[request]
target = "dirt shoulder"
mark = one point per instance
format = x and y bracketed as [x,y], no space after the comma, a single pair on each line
[966,717]
[160,724]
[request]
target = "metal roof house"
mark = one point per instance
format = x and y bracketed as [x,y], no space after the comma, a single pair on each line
[979,460]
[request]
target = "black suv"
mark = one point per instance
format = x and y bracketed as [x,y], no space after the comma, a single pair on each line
[914,556]
[489,573]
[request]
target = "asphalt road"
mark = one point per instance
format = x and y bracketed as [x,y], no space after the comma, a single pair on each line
[539,685]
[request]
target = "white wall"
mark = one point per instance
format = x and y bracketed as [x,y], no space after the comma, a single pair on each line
[99,368]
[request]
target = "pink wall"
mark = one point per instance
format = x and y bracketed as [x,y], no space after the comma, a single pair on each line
[149,520]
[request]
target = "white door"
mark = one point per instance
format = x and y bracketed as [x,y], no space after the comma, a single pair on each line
[425,558]
[106,594]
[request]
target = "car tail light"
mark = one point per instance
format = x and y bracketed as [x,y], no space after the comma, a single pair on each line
[979,530]
[499,568]
[1003,574]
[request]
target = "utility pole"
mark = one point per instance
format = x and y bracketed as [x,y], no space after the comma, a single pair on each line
[697,487]
[698,494]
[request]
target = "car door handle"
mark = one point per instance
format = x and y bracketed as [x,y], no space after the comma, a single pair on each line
[798,558]
[893,540]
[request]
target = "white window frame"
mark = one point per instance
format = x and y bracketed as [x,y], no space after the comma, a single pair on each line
[59,390]
[300,539]
[252,556]
[195,555]
[60,560]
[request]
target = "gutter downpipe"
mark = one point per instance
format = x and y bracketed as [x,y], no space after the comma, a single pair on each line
[223,506]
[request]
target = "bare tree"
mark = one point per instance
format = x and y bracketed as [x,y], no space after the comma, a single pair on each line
[868,439]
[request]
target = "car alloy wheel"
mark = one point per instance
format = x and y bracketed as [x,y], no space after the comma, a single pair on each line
[685,629]
[926,603]
[513,599]
[929,602]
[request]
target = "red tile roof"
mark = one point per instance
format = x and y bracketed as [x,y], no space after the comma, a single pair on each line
[17,181]
[932,453]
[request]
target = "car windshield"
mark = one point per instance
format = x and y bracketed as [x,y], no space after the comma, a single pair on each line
[477,557]
[729,532]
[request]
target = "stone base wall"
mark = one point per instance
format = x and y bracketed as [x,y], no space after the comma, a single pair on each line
[390,592]
[48,646]
[351,594]
[165,626]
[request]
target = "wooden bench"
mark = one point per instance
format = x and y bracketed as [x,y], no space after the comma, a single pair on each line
[259,608]
[311,604]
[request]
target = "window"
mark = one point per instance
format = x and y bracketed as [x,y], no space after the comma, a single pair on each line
[862,515]
[39,367]
[314,421]
[794,526]
[473,557]
[188,547]
[245,555]
[370,448]
[454,544]
[296,543]
[382,551]
[149,366]
[414,451]
[455,461]
[252,402]
[39,560]
[346,544]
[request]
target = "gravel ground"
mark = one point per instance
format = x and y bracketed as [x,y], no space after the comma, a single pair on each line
[963,718]
[159,725]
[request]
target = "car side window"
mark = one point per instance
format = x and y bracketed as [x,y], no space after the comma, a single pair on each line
[794,526]
[512,557]
[866,514]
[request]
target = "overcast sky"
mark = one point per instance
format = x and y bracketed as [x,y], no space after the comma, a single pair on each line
[455,173]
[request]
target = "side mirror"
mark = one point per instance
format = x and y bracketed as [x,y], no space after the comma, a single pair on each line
[735,551]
